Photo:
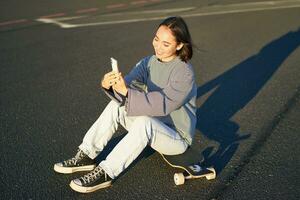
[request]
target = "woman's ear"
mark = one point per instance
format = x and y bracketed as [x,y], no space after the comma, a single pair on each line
[179,46]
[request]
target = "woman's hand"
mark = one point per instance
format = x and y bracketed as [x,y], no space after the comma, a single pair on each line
[120,85]
[109,79]
[115,80]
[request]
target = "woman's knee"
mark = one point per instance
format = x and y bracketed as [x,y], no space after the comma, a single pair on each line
[144,121]
[143,126]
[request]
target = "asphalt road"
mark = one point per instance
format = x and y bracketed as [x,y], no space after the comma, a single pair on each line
[247,68]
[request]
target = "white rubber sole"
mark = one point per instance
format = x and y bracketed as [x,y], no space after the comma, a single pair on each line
[82,189]
[70,170]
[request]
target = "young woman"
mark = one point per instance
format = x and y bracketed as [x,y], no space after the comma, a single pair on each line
[155,103]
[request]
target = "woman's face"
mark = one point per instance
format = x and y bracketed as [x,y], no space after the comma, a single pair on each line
[165,44]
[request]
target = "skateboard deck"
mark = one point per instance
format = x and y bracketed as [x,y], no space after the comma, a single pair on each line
[190,163]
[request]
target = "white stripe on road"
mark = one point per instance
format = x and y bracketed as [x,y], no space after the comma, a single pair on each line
[58,22]
[162,11]
[241,8]
[205,11]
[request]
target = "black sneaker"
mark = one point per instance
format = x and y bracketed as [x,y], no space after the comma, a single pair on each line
[81,162]
[92,181]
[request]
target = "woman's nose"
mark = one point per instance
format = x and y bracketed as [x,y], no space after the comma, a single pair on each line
[158,46]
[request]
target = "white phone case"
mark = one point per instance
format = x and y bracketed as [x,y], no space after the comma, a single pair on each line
[114,64]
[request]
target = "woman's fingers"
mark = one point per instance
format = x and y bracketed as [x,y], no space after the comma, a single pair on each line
[111,78]
[112,74]
[107,81]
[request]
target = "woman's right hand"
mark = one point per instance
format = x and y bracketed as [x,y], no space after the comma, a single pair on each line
[110,79]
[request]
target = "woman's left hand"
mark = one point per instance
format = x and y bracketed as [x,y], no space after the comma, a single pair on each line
[120,85]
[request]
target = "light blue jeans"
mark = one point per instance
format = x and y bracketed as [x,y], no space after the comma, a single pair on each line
[142,130]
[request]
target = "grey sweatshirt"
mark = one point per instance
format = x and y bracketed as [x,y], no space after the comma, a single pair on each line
[165,90]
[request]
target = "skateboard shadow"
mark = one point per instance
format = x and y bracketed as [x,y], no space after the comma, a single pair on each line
[232,91]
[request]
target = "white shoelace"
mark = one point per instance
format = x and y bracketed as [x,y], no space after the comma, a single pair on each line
[74,159]
[93,175]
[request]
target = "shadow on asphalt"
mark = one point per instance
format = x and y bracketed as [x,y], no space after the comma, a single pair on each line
[232,91]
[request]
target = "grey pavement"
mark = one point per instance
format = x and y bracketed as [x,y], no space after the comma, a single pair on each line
[273,170]
[247,67]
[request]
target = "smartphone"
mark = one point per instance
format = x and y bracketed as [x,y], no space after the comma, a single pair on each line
[114,65]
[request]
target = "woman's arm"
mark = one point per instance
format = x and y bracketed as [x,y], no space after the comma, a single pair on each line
[161,103]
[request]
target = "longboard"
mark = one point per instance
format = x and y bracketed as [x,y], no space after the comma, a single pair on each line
[190,163]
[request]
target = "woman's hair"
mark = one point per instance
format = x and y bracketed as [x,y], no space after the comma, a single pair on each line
[181,32]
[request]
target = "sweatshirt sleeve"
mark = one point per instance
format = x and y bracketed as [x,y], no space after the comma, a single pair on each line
[161,103]
[113,95]
[139,72]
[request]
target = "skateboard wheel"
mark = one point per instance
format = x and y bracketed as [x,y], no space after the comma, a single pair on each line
[179,179]
[212,175]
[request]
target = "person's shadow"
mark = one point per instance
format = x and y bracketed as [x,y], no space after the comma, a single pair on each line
[232,91]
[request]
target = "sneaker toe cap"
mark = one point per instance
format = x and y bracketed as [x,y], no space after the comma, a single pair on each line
[77,182]
[59,164]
